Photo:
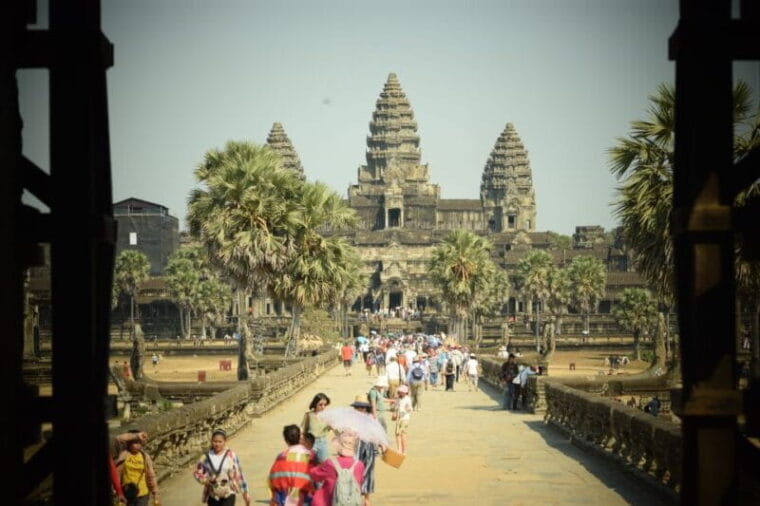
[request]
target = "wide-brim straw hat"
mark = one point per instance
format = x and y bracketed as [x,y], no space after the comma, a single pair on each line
[361,401]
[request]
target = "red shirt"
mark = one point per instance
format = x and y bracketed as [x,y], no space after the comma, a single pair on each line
[347,353]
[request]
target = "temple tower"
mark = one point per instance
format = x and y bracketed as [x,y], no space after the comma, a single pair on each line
[278,141]
[393,189]
[506,190]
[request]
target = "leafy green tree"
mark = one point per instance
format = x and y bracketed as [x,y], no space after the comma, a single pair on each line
[636,311]
[559,241]
[533,272]
[587,277]
[245,215]
[459,267]
[131,270]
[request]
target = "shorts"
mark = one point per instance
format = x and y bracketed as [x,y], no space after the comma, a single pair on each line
[347,363]
[401,426]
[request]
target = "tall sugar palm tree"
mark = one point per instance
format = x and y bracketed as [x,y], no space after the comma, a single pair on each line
[490,299]
[643,162]
[459,268]
[533,272]
[214,298]
[245,215]
[131,270]
[587,277]
[556,304]
[183,280]
[636,311]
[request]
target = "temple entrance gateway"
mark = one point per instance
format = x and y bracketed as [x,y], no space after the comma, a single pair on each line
[395,300]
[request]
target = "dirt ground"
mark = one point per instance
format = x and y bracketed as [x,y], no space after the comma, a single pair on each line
[591,362]
[184,368]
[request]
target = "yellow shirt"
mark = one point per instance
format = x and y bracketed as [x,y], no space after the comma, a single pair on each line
[133,470]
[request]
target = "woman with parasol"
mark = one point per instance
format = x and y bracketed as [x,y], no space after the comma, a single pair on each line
[321,430]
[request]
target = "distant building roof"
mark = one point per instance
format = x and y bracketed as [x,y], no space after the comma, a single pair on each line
[135,201]
[460,205]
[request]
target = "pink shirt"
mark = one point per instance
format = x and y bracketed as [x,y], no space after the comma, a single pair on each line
[325,472]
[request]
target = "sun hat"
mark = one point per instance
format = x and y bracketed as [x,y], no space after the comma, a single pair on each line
[361,401]
[345,443]
[382,381]
[403,389]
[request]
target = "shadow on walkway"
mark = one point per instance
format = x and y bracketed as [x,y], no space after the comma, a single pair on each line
[607,471]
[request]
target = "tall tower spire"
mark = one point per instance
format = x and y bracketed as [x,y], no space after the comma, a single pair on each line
[506,189]
[393,146]
[278,141]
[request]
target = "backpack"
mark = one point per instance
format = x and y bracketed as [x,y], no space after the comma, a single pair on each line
[347,491]
[418,373]
[449,367]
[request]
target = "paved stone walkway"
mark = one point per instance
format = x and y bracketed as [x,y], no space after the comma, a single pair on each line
[463,450]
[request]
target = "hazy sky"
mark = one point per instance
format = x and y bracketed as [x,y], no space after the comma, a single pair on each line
[191,74]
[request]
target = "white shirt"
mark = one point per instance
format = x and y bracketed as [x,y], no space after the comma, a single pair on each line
[393,370]
[471,367]
[405,408]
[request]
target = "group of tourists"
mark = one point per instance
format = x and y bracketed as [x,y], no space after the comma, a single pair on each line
[322,465]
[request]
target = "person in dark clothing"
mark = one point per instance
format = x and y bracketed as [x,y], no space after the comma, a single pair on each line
[508,373]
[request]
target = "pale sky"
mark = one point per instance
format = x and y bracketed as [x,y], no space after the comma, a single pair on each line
[190,75]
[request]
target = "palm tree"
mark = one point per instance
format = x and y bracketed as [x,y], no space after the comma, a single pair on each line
[556,304]
[643,162]
[245,216]
[131,270]
[636,311]
[533,272]
[214,298]
[183,279]
[587,277]
[459,267]
[489,301]
[316,270]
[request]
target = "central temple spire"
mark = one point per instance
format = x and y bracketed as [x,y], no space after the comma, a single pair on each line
[507,185]
[393,146]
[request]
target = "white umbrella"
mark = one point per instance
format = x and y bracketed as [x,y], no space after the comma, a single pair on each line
[363,425]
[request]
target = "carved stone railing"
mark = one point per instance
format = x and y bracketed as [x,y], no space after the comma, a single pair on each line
[648,446]
[178,436]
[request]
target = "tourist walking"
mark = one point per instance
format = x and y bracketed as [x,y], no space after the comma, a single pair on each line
[321,431]
[377,400]
[433,369]
[331,474]
[135,467]
[415,378]
[366,452]
[220,473]
[347,355]
[289,479]
[402,414]
[449,372]
[396,375]
[472,370]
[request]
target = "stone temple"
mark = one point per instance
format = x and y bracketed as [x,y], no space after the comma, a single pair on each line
[402,215]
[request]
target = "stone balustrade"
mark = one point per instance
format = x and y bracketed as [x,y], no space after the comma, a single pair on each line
[180,435]
[648,446]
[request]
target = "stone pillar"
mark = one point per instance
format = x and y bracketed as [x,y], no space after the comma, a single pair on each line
[386,300]
[385,223]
